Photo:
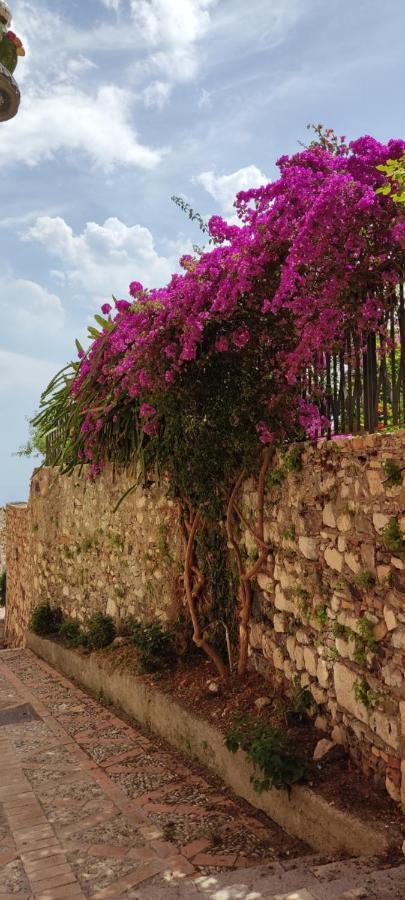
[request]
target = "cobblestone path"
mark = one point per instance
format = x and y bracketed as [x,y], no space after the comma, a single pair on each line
[93,807]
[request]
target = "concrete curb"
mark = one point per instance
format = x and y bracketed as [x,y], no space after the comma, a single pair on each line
[304,814]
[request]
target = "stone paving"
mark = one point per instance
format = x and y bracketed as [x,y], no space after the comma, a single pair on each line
[93,807]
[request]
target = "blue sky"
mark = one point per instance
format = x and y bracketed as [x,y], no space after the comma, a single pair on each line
[125,102]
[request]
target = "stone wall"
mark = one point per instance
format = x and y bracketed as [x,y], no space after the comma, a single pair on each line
[2,539]
[86,557]
[19,573]
[328,611]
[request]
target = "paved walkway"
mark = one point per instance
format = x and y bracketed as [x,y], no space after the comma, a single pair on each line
[92,807]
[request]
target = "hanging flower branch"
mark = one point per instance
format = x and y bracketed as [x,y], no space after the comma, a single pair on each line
[193,379]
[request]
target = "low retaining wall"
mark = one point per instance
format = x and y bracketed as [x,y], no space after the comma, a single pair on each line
[303,812]
[328,608]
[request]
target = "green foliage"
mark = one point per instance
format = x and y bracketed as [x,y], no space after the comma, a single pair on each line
[154,644]
[395,184]
[341,631]
[392,471]
[36,443]
[100,631]
[45,619]
[71,633]
[302,701]
[321,615]
[3,588]
[289,533]
[366,580]
[293,459]
[364,693]
[218,610]
[269,751]
[392,536]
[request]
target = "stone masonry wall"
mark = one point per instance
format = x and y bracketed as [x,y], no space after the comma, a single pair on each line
[2,539]
[19,573]
[329,613]
[86,557]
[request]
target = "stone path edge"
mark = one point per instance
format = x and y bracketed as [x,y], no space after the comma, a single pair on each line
[303,812]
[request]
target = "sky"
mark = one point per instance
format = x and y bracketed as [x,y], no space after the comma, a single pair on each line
[127,102]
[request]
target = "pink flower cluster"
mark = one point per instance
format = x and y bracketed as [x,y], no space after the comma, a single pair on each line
[317,254]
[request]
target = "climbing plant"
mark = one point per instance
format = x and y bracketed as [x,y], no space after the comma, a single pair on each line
[199,381]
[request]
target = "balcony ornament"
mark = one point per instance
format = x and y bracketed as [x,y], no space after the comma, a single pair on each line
[10,49]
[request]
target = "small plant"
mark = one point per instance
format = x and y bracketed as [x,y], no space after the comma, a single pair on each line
[100,631]
[34,527]
[293,460]
[321,615]
[289,533]
[302,702]
[366,580]
[3,589]
[365,627]
[46,619]
[275,477]
[154,644]
[364,693]
[393,473]
[392,536]
[341,631]
[269,751]
[101,697]
[71,633]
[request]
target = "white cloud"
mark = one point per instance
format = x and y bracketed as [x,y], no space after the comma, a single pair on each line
[172,22]
[223,188]
[156,94]
[103,259]
[74,121]
[112,4]
[19,371]
[30,314]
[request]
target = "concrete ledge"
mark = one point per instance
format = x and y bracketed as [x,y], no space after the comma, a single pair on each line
[304,814]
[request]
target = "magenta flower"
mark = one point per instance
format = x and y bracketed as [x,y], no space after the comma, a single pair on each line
[146,411]
[241,337]
[106,308]
[122,305]
[265,435]
[135,288]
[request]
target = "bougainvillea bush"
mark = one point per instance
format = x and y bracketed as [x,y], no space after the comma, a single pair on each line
[195,378]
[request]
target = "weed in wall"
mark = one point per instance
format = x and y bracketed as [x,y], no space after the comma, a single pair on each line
[392,537]
[365,580]
[45,619]
[270,752]
[364,693]
[392,472]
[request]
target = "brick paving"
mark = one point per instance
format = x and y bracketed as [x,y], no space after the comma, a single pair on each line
[93,807]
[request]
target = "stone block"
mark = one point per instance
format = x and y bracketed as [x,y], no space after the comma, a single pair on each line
[374,482]
[256,635]
[398,638]
[310,660]
[353,563]
[344,522]
[283,603]
[344,680]
[278,658]
[318,694]
[265,582]
[279,622]
[268,645]
[385,727]
[334,559]
[299,657]
[309,547]
[322,673]
[380,521]
[291,644]
[328,516]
